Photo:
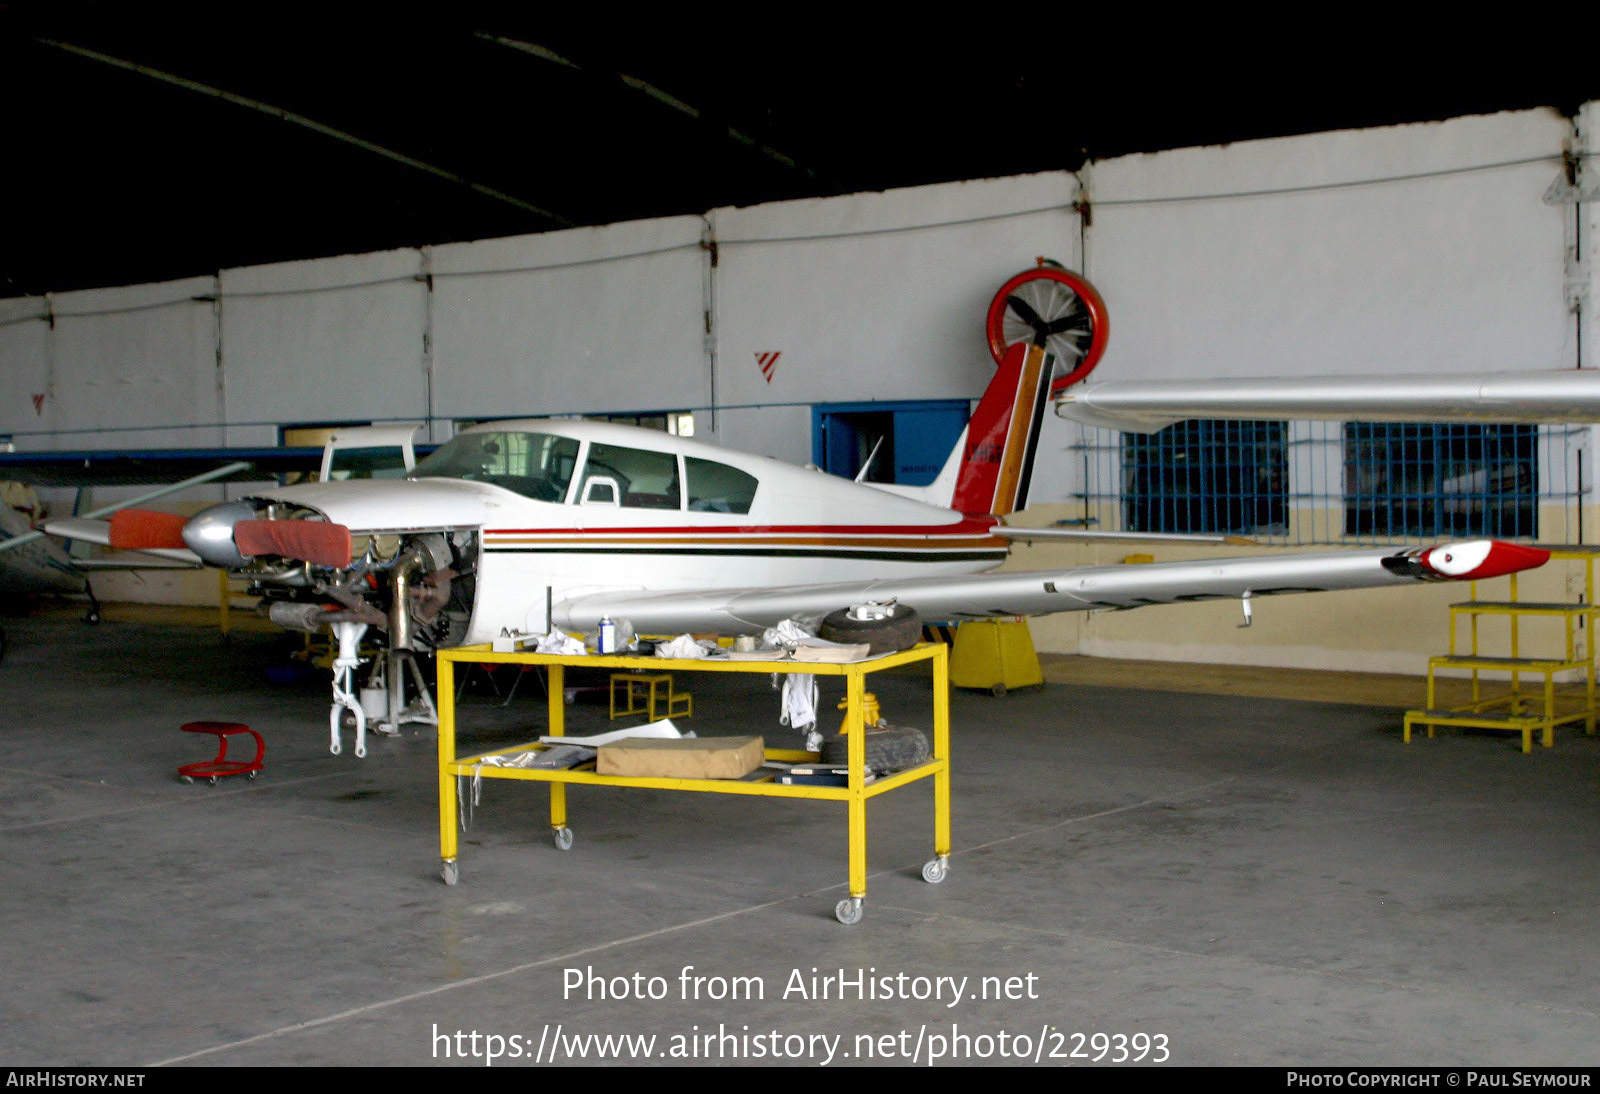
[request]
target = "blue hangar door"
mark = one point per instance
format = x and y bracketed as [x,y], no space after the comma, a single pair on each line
[913,439]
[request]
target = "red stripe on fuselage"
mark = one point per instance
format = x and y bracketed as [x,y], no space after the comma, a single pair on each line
[970,526]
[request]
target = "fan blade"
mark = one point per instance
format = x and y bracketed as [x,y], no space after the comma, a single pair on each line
[1028,316]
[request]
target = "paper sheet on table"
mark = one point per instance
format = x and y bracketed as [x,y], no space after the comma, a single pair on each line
[663,728]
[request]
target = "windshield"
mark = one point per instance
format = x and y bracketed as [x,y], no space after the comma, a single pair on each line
[535,465]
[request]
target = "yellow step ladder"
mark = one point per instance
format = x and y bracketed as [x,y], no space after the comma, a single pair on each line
[1519,710]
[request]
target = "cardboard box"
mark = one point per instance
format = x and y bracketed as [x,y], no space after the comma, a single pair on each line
[684,758]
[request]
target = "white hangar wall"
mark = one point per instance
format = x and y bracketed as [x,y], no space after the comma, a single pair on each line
[870,296]
[583,321]
[25,343]
[1411,248]
[113,368]
[328,340]
[1420,248]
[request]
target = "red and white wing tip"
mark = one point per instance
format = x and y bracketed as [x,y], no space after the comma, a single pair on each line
[1476,559]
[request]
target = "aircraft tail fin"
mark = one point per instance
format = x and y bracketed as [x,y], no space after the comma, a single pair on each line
[1002,438]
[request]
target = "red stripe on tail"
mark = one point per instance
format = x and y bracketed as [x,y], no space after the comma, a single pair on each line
[1003,434]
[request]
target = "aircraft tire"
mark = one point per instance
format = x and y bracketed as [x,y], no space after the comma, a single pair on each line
[901,630]
[888,749]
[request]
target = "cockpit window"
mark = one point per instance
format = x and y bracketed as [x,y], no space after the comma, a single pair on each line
[386,462]
[644,479]
[717,488]
[535,465]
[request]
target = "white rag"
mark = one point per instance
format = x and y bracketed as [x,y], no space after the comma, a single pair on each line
[684,646]
[557,642]
[786,635]
[800,706]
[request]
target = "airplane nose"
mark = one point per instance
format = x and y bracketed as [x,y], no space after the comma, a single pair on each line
[209,533]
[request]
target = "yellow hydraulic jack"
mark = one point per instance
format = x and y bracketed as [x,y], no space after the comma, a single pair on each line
[870,714]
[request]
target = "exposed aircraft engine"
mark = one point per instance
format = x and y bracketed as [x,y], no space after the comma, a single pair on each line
[311,573]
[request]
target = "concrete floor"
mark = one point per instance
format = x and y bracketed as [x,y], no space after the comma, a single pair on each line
[1251,881]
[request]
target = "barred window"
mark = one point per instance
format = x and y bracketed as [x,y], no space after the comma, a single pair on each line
[1404,479]
[1206,476]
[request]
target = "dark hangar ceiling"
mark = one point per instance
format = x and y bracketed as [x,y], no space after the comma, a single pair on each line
[147,141]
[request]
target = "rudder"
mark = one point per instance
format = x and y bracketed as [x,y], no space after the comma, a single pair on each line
[1003,436]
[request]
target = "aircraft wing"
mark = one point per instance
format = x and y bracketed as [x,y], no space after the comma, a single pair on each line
[1086,588]
[143,467]
[1144,406]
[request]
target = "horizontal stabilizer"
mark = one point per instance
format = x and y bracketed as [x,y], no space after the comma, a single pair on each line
[1088,535]
[144,529]
[1145,406]
[316,542]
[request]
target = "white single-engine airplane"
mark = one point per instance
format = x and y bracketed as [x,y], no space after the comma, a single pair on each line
[529,526]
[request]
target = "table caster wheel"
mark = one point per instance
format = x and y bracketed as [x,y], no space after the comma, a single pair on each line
[212,780]
[187,778]
[935,870]
[850,911]
[252,775]
[450,872]
[563,838]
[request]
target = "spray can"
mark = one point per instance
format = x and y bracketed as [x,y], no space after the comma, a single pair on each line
[607,642]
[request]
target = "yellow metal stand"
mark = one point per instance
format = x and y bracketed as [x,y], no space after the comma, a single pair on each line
[1516,710]
[229,599]
[855,794]
[638,688]
[995,655]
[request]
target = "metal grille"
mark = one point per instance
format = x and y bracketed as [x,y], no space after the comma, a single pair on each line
[1428,480]
[1206,476]
[1336,482]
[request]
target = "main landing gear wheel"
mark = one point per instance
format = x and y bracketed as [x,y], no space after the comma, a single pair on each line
[885,628]
[563,838]
[1055,309]
[850,910]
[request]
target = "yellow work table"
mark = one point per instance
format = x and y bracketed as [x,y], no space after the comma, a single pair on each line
[855,795]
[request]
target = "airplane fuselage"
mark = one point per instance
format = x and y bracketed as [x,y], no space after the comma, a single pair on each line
[544,511]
